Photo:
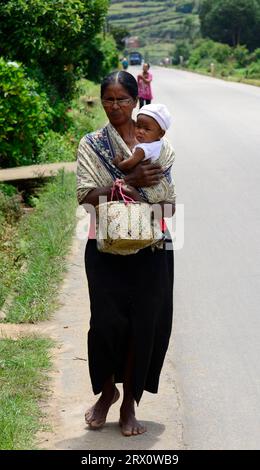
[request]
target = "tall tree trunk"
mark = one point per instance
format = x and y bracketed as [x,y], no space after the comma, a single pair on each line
[238,36]
[233,38]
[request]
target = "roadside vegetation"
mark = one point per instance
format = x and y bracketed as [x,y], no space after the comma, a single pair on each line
[155,21]
[42,242]
[230,44]
[37,225]
[158,24]
[235,63]
[45,49]
[24,364]
[194,34]
[50,57]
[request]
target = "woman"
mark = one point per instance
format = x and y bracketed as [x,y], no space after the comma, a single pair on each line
[144,86]
[130,296]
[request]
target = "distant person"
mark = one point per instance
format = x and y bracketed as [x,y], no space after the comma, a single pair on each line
[152,122]
[144,86]
[124,63]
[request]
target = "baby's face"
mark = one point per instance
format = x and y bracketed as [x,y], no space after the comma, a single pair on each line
[147,129]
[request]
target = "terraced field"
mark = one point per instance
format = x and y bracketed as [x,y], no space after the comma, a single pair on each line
[155,20]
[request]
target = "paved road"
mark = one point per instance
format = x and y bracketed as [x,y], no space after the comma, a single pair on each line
[216,341]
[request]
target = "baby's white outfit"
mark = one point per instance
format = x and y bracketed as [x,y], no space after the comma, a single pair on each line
[151,150]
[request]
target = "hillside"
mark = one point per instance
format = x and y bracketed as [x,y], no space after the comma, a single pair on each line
[156,21]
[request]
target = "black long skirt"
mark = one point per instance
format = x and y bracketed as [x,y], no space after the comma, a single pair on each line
[131,301]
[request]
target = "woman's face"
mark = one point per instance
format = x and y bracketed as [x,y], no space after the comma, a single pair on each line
[145,68]
[118,104]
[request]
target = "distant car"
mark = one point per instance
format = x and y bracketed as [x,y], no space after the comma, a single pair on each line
[135,58]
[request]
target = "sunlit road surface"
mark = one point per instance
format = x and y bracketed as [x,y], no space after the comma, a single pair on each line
[215,346]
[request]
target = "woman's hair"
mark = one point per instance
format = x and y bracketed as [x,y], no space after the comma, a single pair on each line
[125,79]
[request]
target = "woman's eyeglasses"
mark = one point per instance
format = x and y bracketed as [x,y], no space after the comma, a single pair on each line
[121,102]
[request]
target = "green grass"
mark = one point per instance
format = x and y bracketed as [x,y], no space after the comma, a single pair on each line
[250,81]
[44,239]
[23,367]
[10,261]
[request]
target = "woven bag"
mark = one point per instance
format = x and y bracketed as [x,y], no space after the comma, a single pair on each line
[125,226]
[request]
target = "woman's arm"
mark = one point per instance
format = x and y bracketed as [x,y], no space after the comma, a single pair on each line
[168,208]
[144,174]
[93,196]
[147,80]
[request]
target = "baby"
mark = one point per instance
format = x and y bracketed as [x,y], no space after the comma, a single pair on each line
[152,122]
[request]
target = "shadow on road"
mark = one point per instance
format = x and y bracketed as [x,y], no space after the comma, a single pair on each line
[110,438]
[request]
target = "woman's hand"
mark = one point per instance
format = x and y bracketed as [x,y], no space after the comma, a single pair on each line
[130,191]
[144,174]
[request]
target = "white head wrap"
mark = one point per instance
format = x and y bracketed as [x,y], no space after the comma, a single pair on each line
[159,112]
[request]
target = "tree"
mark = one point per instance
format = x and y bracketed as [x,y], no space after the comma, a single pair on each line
[25,115]
[119,33]
[102,57]
[190,27]
[230,21]
[52,34]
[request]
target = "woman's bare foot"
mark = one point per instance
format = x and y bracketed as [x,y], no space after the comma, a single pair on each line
[95,417]
[128,422]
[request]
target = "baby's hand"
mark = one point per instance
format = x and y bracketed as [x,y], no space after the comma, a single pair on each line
[117,160]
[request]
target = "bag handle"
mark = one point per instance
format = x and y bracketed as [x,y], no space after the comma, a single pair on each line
[118,190]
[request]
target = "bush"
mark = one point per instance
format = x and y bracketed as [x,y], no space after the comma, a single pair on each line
[241,55]
[253,71]
[255,56]
[10,209]
[228,60]
[25,115]
[211,51]
[55,36]
[221,52]
[8,189]
[202,50]
[56,148]
[182,49]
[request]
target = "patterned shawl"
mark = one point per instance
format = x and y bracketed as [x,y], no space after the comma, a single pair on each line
[95,168]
